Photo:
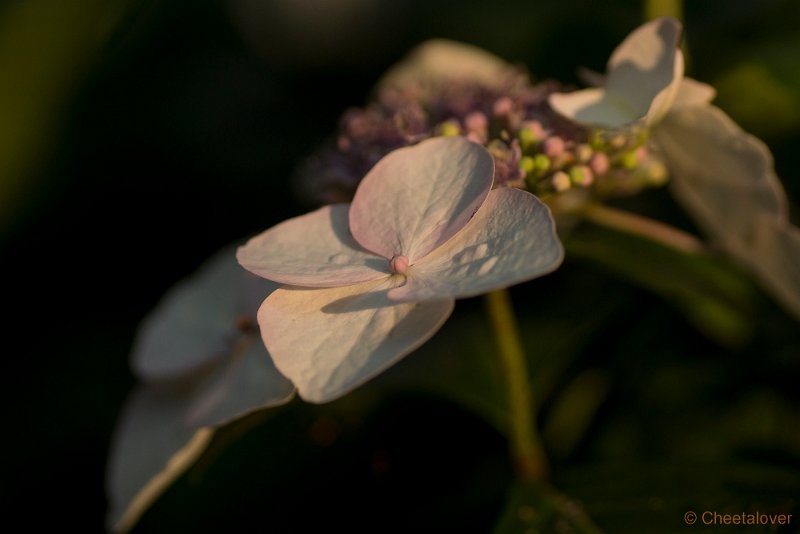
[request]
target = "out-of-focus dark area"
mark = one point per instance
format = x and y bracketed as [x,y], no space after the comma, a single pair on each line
[140,136]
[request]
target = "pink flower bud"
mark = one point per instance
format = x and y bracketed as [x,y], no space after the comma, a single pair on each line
[599,163]
[476,121]
[553,146]
[503,107]
[398,264]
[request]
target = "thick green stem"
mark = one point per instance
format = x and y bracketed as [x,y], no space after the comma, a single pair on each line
[526,447]
[631,223]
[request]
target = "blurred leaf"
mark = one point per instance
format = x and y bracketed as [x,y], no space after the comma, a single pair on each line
[361,464]
[537,508]
[715,298]
[574,411]
[636,497]
[762,90]
[45,48]
[460,362]
[702,411]
[760,100]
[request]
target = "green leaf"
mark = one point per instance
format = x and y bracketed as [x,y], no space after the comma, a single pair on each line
[460,362]
[46,48]
[758,98]
[534,508]
[574,411]
[716,299]
[761,91]
[655,497]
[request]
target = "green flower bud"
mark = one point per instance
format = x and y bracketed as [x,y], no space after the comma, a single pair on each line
[449,129]
[581,175]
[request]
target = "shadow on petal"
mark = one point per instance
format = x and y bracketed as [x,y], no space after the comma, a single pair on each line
[371,300]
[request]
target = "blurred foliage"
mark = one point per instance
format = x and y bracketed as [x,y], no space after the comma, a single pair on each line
[531,508]
[137,142]
[46,48]
[715,297]
[402,453]
[778,108]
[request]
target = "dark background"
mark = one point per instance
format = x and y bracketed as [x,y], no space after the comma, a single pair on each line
[142,136]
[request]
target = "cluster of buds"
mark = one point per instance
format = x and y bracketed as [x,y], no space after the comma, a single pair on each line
[534,148]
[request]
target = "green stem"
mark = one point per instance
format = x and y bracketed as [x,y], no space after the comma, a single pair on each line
[526,447]
[642,226]
[663,8]
[667,8]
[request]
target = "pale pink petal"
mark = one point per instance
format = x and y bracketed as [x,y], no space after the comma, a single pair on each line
[723,176]
[418,197]
[441,61]
[313,250]
[329,341]
[244,382]
[166,425]
[693,93]
[197,321]
[511,239]
[151,447]
[643,79]
[775,258]
[593,107]
[647,68]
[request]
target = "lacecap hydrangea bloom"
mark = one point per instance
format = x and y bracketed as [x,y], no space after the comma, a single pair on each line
[368,282]
[647,126]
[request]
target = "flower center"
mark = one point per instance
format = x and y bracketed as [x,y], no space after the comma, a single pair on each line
[533,147]
[398,264]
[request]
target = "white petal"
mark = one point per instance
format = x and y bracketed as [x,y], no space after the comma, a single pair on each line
[166,425]
[245,382]
[196,321]
[693,93]
[151,447]
[329,341]
[442,61]
[313,250]
[664,99]
[511,239]
[644,77]
[418,197]
[647,68]
[723,176]
[593,107]
[775,258]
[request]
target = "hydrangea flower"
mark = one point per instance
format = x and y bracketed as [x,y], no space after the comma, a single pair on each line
[368,282]
[202,365]
[723,176]
[446,89]
[647,126]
